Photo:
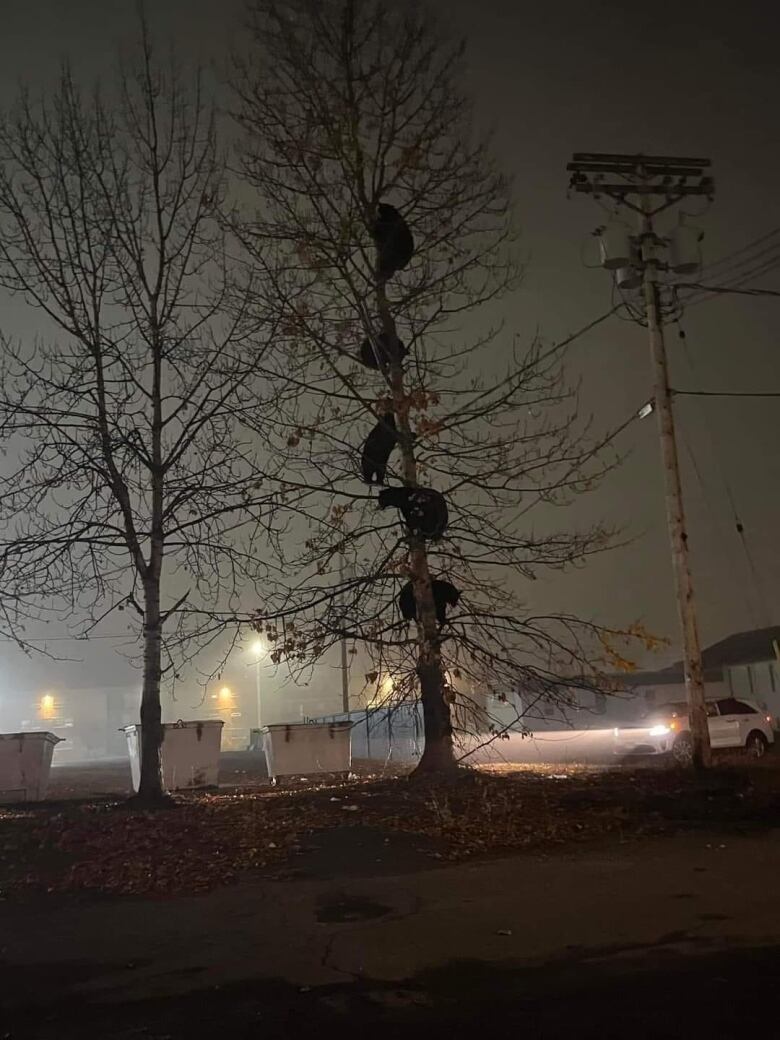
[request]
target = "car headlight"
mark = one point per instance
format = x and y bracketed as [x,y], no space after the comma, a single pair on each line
[659,731]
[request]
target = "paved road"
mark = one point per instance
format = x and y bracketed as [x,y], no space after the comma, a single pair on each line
[719,996]
[627,940]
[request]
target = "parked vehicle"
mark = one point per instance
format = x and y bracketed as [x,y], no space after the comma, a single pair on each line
[666,730]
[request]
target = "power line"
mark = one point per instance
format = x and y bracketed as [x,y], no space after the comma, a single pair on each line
[716,518]
[738,525]
[727,261]
[553,348]
[716,289]
[64,639]
[585,328]
[730,269]
[763,256]
[737,280]
[726,393]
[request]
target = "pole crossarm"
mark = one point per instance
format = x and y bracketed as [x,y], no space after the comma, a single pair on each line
[645,176]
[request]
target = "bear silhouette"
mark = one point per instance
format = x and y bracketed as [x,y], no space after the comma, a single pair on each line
[378,448]
[393,239]
[423,509]
[444,594]
[381,351]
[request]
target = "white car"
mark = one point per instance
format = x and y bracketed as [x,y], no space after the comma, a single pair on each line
[732,724]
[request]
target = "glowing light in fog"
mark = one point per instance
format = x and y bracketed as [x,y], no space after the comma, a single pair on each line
[258,649]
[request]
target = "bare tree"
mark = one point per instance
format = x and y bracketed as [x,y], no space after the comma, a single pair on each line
[130,478]
[357,133]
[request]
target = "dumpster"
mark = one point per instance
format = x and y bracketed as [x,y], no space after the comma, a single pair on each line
[308,748]
[190,754]
[25,761]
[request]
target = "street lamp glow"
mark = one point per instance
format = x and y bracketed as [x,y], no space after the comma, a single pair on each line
[47,706]
[258,648]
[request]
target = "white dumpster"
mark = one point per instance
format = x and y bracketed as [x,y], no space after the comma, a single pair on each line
[190,753]
[308,748]
[25,761]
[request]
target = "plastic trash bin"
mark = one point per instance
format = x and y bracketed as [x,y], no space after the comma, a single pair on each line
[308,748]
[25,761]
[190,754]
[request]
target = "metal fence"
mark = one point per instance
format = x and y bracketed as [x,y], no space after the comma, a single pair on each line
[384,734]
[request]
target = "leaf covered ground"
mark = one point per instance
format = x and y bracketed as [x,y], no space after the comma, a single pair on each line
[212,839]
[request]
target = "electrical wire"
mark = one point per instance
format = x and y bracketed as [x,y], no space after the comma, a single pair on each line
[717,289]
[64,639]
[716,519]
[739,527]
[726,393]
[756,272]
[735,278]
[726,260]
[553,348]
[730,271]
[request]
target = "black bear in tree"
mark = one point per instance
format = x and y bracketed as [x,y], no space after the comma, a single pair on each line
[377,449]
[444,594]
[382,350]
[393,239]
[424,510]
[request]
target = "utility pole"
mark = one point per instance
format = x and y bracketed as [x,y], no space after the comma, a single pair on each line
[257,695]
[344,676]
[258,650]
[344,652]
[648,185]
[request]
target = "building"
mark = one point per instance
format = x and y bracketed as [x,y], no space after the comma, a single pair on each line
[745,664]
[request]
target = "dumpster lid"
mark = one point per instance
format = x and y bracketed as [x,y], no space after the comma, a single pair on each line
[179,724]
[33,734]
[343,724]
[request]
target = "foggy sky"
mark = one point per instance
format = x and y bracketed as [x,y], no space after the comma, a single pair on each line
[682,78]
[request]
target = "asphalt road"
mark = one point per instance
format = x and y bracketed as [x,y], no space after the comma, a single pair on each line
[727,994]
[670,937]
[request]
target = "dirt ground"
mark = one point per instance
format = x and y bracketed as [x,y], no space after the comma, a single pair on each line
[81,841]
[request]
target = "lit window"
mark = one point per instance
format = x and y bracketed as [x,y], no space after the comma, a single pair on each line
[47,706]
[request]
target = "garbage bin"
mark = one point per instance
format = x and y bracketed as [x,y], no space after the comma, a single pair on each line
[190,754]
[308,748]
[25,761]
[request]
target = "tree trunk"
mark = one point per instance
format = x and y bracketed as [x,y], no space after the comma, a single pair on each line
[438,756]
[151,788]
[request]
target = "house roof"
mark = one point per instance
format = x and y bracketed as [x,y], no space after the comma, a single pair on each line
[671,676]
[740,648]
[743,648]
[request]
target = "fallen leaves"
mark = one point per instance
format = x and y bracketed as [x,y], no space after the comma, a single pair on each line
[212,839]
